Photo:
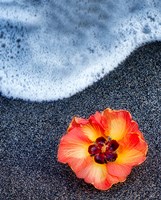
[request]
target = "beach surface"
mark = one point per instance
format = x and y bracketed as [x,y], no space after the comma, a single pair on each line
[30,133]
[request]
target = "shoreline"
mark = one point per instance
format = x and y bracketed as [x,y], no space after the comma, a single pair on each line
[30,134]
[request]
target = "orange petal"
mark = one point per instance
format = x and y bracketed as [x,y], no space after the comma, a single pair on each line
[120,171]
[77,164]
[94,128]
[96,174]
[73,145]
[92,131]
[119,123]
[132,151]
[99,120]
[77,122]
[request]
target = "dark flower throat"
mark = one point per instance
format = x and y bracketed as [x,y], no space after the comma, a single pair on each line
[103,150]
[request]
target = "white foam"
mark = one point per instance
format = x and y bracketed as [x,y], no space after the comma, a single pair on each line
[50,50]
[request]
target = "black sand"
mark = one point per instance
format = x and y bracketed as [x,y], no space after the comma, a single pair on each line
[30,133]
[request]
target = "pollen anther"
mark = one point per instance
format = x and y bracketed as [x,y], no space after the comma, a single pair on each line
[103,150]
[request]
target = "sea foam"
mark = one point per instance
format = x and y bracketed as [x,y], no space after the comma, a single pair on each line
[52,49]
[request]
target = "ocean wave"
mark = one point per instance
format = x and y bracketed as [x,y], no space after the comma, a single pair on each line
[52,49]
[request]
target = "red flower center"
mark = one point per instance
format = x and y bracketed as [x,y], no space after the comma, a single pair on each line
[103,150]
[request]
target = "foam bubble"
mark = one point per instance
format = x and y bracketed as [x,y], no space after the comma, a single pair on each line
[52,49]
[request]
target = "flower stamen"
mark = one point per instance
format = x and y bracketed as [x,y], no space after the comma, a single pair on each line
[103,150]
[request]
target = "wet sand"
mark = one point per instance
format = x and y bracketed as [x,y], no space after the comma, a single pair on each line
[30,134]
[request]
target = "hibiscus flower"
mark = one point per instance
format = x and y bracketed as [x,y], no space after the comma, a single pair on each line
[103,149]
